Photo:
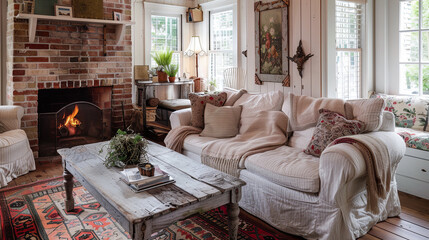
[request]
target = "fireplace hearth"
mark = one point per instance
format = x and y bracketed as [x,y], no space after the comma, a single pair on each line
[71,117]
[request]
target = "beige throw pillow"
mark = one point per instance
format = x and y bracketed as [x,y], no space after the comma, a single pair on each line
[369,111]
[221,122]
[233,95]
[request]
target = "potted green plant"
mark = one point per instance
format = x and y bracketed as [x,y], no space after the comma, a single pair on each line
[126,149]
[172,71]
[163,59]
[212,85]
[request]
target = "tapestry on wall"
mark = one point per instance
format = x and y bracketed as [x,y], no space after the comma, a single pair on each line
[272,42]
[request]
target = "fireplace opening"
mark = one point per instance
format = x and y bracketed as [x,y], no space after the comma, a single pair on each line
[71,117]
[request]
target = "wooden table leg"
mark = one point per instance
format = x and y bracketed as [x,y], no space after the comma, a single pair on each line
[143,231]
[233,211]
[68,185]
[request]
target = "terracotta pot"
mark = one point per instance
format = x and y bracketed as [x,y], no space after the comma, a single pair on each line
[162,76]
[171,79]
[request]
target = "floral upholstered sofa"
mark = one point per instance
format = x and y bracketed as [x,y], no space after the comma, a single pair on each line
[411,120]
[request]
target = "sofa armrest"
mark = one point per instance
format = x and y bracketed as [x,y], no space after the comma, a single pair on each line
[388,123]
[180,118]
[343,163]
[11,116]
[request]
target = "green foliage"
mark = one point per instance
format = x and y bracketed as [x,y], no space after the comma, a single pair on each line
[163,58]
[172,70]
[126,149]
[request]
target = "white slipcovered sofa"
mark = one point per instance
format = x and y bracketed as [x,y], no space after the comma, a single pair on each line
[317,198]
[16,157]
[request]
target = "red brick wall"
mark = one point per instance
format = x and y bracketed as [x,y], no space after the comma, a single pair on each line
[68,55]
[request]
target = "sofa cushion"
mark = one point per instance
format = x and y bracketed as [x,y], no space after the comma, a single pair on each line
[195,143]
[13,137]
[331,125]
[198,104]
[288,167]
[301,139]
[221,122]
[414,139]
[233,95]
[254,103]
[369,111]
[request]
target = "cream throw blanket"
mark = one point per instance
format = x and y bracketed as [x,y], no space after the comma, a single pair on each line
[303,111]
[377,164]
[266,131]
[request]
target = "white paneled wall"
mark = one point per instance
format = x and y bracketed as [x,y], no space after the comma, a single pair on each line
[304,24]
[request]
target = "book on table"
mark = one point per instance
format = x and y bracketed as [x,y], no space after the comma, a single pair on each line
[136,181]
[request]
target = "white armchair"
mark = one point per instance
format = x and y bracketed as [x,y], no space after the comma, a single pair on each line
[16,157]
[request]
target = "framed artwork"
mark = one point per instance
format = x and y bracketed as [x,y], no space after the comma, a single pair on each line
[272,42]
[117,16]
[27,7]
[45,7]
[63,11]
[92,9]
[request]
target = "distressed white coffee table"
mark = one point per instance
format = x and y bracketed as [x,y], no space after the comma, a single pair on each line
[198,188]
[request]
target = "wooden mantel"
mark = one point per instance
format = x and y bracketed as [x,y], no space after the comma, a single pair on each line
[32,23]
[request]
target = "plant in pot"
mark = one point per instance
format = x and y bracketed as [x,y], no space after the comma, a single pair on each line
[172,71]
[212,85]
[126,149]
[163,59]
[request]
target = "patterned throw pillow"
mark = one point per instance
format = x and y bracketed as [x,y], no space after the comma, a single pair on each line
[410,112]
[198,104]
[330,126]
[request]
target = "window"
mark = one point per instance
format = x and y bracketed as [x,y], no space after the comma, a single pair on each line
[222,45]
[414,47]
[349,20]
[165,33]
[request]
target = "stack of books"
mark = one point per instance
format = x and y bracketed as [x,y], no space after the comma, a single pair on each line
[139,183]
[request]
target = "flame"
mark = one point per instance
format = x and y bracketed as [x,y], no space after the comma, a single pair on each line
[71,122]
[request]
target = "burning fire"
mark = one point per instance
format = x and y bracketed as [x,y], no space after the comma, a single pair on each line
[71,122]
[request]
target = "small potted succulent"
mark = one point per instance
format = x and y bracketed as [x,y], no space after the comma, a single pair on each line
[163,59]
[172,71]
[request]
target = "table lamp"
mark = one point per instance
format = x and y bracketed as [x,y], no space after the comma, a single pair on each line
[195,48]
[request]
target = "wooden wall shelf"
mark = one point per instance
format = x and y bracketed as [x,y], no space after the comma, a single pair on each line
[32,23]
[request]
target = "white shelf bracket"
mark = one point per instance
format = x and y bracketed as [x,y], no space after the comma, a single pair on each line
[32,26]
[120,32]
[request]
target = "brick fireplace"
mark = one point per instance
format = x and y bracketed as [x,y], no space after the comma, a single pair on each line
[68,55]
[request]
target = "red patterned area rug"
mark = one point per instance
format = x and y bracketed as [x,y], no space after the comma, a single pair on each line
[36,211]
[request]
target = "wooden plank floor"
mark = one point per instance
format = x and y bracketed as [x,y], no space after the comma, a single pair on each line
[413,223]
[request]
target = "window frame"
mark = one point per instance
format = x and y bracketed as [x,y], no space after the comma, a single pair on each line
[156,9]
[215,7]
[359,49]
[420,30]
[234,39]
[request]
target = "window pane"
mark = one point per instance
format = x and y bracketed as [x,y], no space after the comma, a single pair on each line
[425,46]
[221,26]
[348,74]
[409,46]
[222,42]
[409,15]
[164,33]
[348,24]
[408,78]
[425,79]
[218,63]
[425,14]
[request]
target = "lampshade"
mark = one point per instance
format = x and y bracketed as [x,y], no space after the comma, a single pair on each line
[194,47]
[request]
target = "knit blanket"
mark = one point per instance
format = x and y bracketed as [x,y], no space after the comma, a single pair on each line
[377,164]
[265,132]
